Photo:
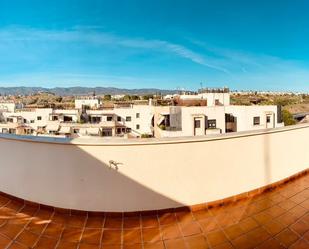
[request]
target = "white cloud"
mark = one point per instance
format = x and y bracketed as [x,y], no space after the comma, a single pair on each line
[241,69]
[88,35]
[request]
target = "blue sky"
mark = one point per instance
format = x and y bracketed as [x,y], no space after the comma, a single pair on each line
[258,44]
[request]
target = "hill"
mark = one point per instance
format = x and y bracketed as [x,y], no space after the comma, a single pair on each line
[75,91]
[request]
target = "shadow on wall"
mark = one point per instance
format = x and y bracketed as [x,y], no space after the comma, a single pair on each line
[156,176]
[66,176]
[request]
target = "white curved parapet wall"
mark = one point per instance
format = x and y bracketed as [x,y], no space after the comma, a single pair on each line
[152,174]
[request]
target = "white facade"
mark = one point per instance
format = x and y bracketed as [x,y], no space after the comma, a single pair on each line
[204,120]
[66,116]
[35,119]
[91,102]
[129,120]
[137,118]
[117,96]
[134,119]
[213,99]
[7,106]
[245,115]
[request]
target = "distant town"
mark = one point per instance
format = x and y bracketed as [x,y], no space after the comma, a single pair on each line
[148,113]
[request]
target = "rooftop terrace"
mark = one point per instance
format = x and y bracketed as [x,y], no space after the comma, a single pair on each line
[251,192]
[275,219]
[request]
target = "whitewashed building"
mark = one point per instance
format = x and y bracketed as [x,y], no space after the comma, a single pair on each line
[178,121]
[91,102]
[217,116]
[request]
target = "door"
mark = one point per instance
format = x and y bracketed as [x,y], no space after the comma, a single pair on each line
[198,127]
[230,123]
[270,123]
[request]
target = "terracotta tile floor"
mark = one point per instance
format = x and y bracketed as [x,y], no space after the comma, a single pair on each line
[276,219]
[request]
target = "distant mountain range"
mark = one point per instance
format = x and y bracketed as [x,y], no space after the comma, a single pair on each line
[67,91]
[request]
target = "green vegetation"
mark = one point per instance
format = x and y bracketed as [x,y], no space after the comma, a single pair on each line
[288,118]
[268,99]
[284,101]
[46,100]
[130,97]
[147,97]
[162,127]
[107,97]
[290,102]
[146,136]
[239,100]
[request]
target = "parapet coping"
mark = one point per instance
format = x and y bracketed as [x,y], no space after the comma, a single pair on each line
[89,141]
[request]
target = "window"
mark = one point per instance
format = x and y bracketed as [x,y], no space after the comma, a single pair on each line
[54,118]
[137,115]
[39,118]
[128,118]
[137,127]
[197,123]
[212,124]
[67,119]
[229,118]
[95,120]
[31,121]
[268,119]
[107,132]
[217,102]
[12,131]
[109,118]
[256,121]
[118,118]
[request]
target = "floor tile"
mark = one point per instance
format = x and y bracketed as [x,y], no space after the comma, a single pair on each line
[151,234]
[287,237]
[274,220]
[92,236]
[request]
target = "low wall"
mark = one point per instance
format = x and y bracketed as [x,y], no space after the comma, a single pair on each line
[152,174]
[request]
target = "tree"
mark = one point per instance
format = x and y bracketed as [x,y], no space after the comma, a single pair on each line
[134,97]
[288,118]
[127,98]
[147,97]
[58,99]
[107,97]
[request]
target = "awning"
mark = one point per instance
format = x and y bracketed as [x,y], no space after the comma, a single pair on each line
[93,131]
[65,129]
[52,127]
